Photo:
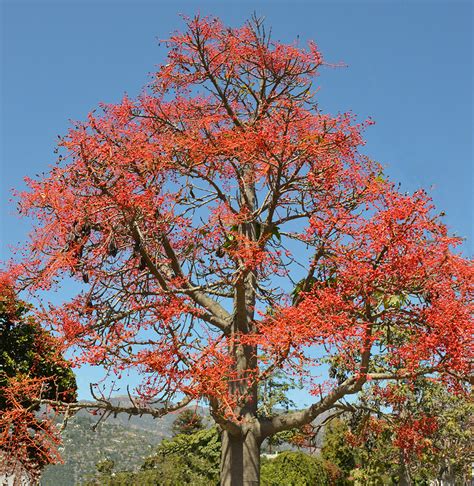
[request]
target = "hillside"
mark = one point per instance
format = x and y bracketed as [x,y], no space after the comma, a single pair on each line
[125,440]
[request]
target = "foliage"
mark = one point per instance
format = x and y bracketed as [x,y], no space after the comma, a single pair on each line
[200,452]
[372,461]
[186,212]
[272,399]
[338,451]
[171,471]
[294,469]
[428,432]
[188,422]
[105,466]
[377,447]
[184,459]
[273,394]
[31,368]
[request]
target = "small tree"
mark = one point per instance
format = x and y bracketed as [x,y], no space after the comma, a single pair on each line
[31,369]
[106,466]
[195,458]
[221,193]
[273,398]
[338,451]
[188,422]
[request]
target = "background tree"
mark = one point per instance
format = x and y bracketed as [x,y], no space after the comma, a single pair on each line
[31,369]
[273,398]
[427,435]
[378,445]
[338,451]
[450,455]
[294,469]
[105,466]
[188,458]
[219,193]
[187,422]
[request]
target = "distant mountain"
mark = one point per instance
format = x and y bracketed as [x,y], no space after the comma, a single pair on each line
[126,440]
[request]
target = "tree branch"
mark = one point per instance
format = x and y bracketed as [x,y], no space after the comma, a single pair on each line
[216,315]
[350,386]
[107,406]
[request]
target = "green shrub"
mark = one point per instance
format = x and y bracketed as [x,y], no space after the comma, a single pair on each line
[294,469]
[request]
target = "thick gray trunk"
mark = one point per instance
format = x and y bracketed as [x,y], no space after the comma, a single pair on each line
[404,477]
[240,460]
[240,456]
[448,478]
[404,481]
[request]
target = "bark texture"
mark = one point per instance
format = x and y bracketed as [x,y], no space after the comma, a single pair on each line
[240,459]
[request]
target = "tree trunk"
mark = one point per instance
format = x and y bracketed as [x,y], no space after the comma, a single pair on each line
[404,479]
[240,459]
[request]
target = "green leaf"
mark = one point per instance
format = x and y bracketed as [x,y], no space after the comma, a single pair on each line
[395,301]
[276,233]
[303,284]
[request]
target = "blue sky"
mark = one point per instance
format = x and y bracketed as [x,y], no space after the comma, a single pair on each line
[409,68]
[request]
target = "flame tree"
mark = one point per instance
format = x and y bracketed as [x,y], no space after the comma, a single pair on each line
[225,228]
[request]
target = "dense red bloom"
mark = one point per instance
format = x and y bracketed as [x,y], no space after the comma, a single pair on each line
[223,226]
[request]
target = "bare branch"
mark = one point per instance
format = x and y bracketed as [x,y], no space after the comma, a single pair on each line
[108,407]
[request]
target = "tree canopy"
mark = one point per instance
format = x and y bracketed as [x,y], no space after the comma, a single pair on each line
[224,227]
